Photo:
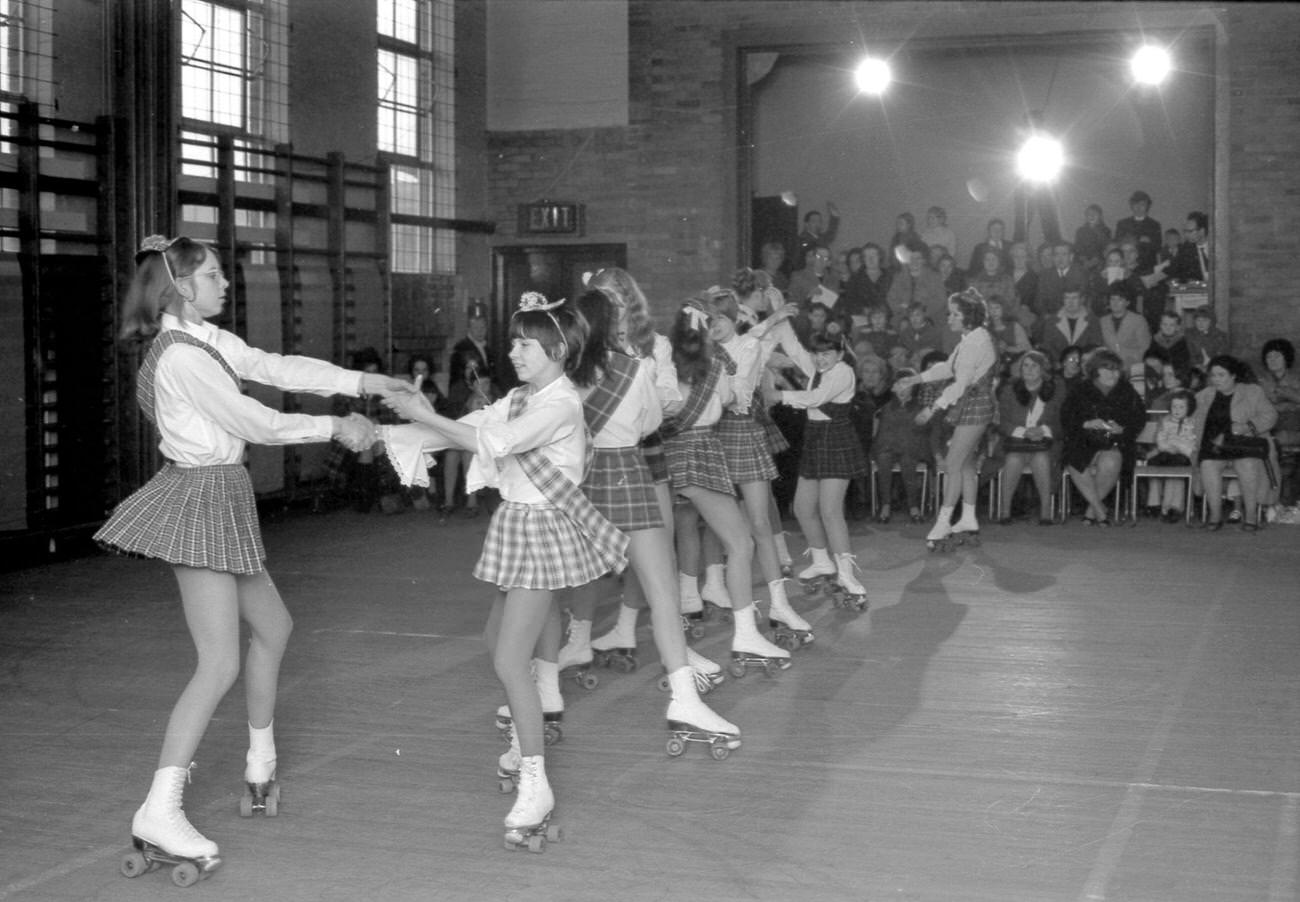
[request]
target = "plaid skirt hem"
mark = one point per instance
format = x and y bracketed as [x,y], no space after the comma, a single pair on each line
[974,408]
[831,450]
[745,447]
[536,546]
[620,487]
[695,458]
[203,517]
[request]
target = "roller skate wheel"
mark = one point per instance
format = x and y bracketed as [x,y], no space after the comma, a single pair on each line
[537,843]
[552,734]
[786,640]
[624,664]
[511,845]
[588,681]
[663,685]
[554,833]
[246,804]
[697,631]
[719,750]
[273,801]
[506,785]
[133,864]
[675,747]
[737,669]
[769,669]
[185,874]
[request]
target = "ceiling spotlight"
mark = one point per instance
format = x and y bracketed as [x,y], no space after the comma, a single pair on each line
[1041,159]
[872,76]
[1150,65]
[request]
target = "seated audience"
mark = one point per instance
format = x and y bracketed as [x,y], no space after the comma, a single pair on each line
[919,333]
[992,280]
[1065,274]
[1029,422]
[937,232]
[1009,337]
[1101,419]
[906,243]
[1281,386]
[899,441]
[1170,339]
[954,280]
[994,240]
[1072,325]
[1232,414]
[1091,238]
[1205,340]
[1175,445]
[878,333]
[917,283]
[1122,331]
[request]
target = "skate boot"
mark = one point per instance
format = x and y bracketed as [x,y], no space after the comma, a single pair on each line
[692,606]
[966,531]
[162,835]
[617,648]
[717,603]
[690,720]
[851,593]
[547,676]
[789,630]
[575,657]
[528,825]
[750,649]
[508,763]
[707,673]
[262,792]
[938,539]
[817,579]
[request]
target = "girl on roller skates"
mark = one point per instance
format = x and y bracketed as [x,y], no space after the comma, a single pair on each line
[697,468]
[620,405]
[970,406]
[544,536]
[198,514]
[636,335]
[745,445]
[831,456]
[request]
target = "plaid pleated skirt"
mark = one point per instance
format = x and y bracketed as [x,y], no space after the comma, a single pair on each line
[776,440]
[695,458]
[652,446]
[536,546]
[831,450]
[201,517]
[745,447]
[975,407]
[619,485]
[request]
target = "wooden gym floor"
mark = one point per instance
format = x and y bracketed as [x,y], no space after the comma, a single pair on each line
[1063,713]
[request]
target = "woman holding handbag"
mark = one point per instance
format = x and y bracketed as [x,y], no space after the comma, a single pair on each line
[1030,423]
[1233,417]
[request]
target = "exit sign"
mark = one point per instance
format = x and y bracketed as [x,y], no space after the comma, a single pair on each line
[551,218]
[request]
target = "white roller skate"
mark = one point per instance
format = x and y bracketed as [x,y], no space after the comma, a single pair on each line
[966,531]
[161,834]
[717,603]
[262,791]
[528,825]
[818,578]
[690,720]
[617,648]
[939,537]
[750,649]
[851,593]
[690,604]
[546,674]
[707,673]
[575,656]
[789,630]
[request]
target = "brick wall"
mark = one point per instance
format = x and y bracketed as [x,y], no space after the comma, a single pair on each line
[666,183]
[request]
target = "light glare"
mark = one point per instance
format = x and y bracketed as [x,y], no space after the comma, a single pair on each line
[872,76]
[1150,65]
[1040,159]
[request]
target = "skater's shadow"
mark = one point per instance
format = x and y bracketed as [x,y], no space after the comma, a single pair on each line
[869,684]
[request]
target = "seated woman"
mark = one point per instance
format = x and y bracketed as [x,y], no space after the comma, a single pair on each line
[899,440]
[1232,408]
[954,280]
[1069,367]
[1281,386]
[1029,419]
[993,280]
[1100,422]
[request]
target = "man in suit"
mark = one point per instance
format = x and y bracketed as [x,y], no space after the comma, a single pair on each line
[817,234]
[1144,230]
[1192,262]
[1065,275]
[1072,325]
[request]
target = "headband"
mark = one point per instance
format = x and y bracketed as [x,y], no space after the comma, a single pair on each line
[699,319]
[157,244]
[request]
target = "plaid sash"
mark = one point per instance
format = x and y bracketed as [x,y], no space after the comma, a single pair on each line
[728,362]
[609,544]
[144,393]
[696,401]
[620,371]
